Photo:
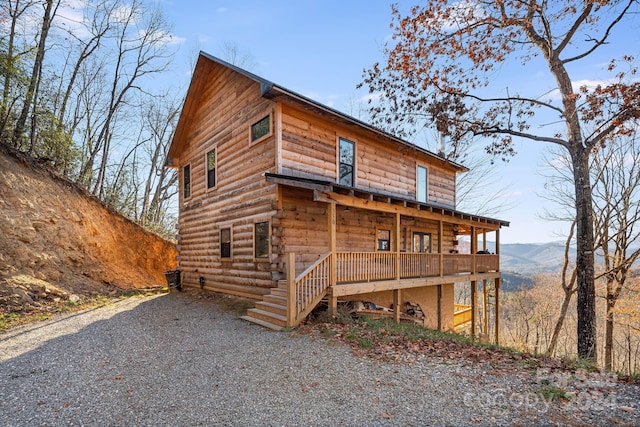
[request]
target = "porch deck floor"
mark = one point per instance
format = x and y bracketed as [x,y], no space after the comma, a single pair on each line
[356,288]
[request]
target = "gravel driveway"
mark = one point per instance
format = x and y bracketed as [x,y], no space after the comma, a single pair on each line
[178,360]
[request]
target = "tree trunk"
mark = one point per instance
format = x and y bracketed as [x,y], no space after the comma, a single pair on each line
[559,323]
[35,74]
[586,299]
[608,335]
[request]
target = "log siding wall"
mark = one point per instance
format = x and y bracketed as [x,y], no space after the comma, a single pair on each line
[300,226]
[309,149]
[229,105]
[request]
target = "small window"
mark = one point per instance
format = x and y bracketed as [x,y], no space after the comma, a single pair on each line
[261,239]
[186,180]
[421,190]
[261,129]
[225,243]
[384,240]
[421,242]
[211,168]
[347,157]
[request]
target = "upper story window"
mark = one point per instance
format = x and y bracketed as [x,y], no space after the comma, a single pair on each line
[211,168]
[421,184]
[186,181]
[347,162]
[261,128]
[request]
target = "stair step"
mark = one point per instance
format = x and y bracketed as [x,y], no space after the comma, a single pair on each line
[262,323]
[267,316]
[272,308]
[276,299]
[279,292]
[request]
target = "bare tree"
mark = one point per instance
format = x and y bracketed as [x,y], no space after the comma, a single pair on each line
[443,57]
[50,8]
[617,212]
[141,51]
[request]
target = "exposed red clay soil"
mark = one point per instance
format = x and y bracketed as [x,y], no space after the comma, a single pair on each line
[57,243]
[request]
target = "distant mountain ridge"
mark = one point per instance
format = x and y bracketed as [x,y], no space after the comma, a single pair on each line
[533,257]
[528,258]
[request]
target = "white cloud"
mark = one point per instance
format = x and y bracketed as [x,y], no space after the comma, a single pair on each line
[222,9]
[376,96]
[554,95]
[162,37]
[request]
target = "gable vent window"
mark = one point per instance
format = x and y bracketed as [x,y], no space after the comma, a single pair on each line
[261,129]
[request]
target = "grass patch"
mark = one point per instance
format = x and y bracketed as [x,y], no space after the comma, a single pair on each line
[365,343]
[579,364]
[553,393]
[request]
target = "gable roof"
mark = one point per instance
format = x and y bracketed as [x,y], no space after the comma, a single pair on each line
[274,91]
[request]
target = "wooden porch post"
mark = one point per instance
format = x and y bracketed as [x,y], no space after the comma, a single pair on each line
[485,305]
[441,247]
[474,309]
[439,290]
[333,272]
[441,267]
[474,248]
[396,248]
[497,326]
[397,295]
[291,289]
[497,290]
[474,284]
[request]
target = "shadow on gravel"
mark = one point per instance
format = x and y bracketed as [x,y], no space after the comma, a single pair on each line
[128,363]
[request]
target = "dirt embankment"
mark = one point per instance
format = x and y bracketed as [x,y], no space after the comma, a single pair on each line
[56,243]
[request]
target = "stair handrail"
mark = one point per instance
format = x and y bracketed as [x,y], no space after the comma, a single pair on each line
[305,291]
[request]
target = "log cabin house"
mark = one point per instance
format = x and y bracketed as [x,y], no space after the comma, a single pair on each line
[289,202]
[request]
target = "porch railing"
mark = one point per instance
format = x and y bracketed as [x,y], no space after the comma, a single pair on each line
[305,291]
[371,266]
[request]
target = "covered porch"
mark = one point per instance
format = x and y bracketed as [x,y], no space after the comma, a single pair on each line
[399,262]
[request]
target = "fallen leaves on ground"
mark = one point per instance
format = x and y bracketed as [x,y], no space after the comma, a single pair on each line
[388,347]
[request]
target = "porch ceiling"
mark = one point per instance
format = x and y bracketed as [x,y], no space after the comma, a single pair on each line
[328,192]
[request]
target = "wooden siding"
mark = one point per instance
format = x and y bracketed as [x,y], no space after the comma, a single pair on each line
[229,105]
[309,150]
[300,226]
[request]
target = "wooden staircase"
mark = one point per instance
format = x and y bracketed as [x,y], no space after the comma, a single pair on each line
[279,308]
[271,312]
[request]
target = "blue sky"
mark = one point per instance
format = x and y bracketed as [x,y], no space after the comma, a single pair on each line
[319,48]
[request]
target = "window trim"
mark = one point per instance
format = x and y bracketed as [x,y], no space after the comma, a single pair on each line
[426,184]
[184,182]
[268,237]
[265,136]
[338,162]
[230,242]
[378,240]
[215,169]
